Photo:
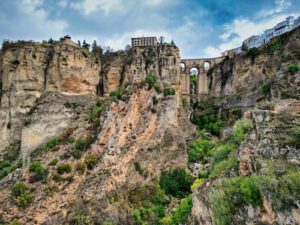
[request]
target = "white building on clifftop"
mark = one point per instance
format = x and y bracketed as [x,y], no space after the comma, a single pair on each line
[256,41]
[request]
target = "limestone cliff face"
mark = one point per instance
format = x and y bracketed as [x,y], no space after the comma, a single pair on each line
[134,130]
[29,70]
[241,76]
[268,92]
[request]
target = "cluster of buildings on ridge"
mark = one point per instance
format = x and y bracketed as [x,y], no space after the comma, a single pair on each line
[256,41]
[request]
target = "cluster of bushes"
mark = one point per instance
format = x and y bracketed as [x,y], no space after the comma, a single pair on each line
[252,53]
[176,183]
[81,145]
[198,151]
[39,173]
[266,88]
[64,168]
[12,153]
[221,155]
[21,194]
[119,93]
[169,91]
[293,68]
[6,168]
[72,104]
[149,204]
[91,161]
[150,80]
[52,143]
[207,118]
[233,192]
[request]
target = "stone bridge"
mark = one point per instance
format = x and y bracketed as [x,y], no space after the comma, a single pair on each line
[200,67]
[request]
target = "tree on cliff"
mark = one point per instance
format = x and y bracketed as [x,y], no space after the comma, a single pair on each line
[86,45]
[97,50]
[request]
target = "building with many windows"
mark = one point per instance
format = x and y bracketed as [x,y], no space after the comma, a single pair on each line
[143,41]
[256,41]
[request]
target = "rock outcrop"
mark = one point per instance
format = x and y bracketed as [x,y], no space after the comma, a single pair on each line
[145,125]
[29,70]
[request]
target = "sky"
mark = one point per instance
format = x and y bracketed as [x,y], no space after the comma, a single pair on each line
[200,28]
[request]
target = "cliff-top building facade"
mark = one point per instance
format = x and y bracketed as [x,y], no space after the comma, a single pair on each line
[256,41]
[143,41]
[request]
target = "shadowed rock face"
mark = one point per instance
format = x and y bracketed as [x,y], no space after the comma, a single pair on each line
[30,70]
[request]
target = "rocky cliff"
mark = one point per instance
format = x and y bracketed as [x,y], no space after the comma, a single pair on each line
[87,148]
[253,169]
[90,138]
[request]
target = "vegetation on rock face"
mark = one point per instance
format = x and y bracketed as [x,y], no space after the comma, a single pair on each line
[149,204]
[119,93]
[39,173]
[207,117]
[91,161]
[64,168]
[169,91]
[6,168]
[151,80]
[233,193]
[293,68]
[176,183]
[182,212]
[81,145]
[21,194]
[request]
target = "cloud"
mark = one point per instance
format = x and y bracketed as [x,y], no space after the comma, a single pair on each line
[241,29]
[30,21]
[280,6]
[63,3]
[86,7]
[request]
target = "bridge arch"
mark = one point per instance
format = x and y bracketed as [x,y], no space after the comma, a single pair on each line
[203,66]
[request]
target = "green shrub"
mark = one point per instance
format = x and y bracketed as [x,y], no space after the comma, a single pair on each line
[169,91]
[266,88]
[184,102]
[224,166]
[154,100]
[6,168]
[150,80]
[119,93]
[207,117]
[157,88]
[240,128]
[81,218]
[81,146]
[197,184]
[149,204]
[54,162]
[51,143]
[63,168]
[182,212]
[18,189]
[252,53]
[40,173]
[12,153]
[199,150]
[72,104]
[138,168]
[293,68]
[15,222]
[222,152]
[177,182]
[21,194]
[91,161]
[56,177]
[80,168]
